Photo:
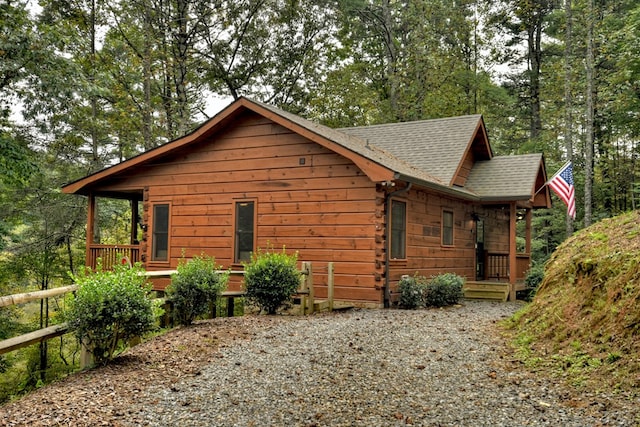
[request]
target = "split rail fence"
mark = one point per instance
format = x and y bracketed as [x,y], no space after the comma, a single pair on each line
[305,293]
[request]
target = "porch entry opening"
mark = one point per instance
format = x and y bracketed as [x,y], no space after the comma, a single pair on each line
[480,267]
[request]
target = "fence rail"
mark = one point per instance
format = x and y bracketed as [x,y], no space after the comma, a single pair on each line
[305,293]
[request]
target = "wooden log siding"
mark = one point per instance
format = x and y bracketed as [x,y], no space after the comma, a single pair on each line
[425,253]
[308,198]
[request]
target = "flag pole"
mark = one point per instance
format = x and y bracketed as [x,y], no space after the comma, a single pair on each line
[556,174]
[551,179]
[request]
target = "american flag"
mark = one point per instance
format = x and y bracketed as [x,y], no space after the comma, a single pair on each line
[562,184]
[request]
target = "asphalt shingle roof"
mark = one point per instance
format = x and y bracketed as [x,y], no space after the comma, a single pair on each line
[436,146]
[430,151]
[426,152]
[505,177]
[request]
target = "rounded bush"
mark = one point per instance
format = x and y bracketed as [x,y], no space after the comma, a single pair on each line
[443,290]
[110,307]
[196,285]
[270,279]
[411,291]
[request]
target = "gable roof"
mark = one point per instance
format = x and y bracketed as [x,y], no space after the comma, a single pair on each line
[428,153]
[438,146]
[506,177]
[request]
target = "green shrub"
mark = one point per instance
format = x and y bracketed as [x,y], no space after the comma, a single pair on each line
[195,287]
[533,279]
[271,279]
[444,289]
[411,291]
[109,308]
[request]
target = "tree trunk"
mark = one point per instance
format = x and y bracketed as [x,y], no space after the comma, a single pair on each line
[589,143]
[392,57]
[146,72]
[568,99]
[180,72]
[535,56]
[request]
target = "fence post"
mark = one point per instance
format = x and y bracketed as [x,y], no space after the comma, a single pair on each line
[86,357]
[330,285]
[306,266]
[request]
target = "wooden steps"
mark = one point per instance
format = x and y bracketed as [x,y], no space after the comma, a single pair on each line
[498,291]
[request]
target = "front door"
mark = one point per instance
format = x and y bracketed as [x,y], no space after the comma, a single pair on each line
[480,250]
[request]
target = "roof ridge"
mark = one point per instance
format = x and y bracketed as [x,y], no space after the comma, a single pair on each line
[478,115]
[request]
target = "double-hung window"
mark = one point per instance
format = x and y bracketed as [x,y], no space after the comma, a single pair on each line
[398,230]
[160,237]
[244,239]
[447,228]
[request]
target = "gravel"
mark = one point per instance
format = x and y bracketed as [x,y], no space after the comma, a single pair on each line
[365,367]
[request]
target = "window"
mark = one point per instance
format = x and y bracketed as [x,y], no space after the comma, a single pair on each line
[160,242]
[447,228]
[398,229]
[245,230]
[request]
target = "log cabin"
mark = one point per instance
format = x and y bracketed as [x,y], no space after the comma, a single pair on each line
[379,202]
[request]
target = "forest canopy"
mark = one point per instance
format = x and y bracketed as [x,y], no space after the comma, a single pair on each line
[87,83]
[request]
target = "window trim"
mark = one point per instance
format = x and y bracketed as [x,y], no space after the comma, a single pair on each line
[442,228]
[234,242]
[154,260]
[391,231]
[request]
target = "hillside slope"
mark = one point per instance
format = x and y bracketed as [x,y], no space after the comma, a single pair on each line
[584,322]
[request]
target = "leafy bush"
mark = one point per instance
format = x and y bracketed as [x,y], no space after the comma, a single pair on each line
[444,289]
[533,279]
[271,279]
[195,287]
[411,291]
[110,307]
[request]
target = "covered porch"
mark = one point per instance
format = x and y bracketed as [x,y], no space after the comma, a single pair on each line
[501,273]
[116,232]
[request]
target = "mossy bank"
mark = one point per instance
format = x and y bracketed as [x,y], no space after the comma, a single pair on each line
[584,322]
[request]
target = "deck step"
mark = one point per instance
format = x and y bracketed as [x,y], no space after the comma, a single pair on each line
[490,291]
[322,305]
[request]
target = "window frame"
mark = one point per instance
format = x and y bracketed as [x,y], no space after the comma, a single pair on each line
[154,233]
[393,232]
[235,255]
[443,228]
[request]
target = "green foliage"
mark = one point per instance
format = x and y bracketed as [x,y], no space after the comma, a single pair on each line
[439,291]
[411,292]
[443,290]
[271,278]
[532,280]
[195,287]
[584,319]
[109,308]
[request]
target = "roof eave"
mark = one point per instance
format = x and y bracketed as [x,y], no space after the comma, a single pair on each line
[437,187]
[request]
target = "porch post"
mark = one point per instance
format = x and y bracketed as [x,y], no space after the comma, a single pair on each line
[528,217]
[134,221]
[512,251]
[91,209]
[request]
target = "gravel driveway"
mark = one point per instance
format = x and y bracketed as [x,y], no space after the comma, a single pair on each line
[437,367]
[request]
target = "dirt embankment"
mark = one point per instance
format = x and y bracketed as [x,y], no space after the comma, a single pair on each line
[584,323]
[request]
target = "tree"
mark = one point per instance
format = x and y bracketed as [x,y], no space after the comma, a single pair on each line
[525,21]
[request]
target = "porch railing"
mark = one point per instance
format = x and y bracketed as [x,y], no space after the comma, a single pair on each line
[112,255]
[497,266]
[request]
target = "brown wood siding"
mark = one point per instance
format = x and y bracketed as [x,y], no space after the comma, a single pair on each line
[465,169]
[496,223]
[425,253]
[308,199]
